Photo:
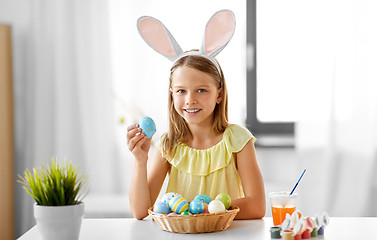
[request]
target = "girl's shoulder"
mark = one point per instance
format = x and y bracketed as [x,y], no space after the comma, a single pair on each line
[205,161]
[237,129]
[237,136]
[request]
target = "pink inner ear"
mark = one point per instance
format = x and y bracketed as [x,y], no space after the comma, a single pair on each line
[219,31]
[155,34]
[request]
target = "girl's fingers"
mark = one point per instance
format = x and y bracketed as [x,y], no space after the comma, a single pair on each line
[134,141]
[132,127]
[141,141]
[132,133]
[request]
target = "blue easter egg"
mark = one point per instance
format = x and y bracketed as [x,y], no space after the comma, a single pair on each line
[161,207]
[148,126]
[203,198]
[178,204]
[196,206]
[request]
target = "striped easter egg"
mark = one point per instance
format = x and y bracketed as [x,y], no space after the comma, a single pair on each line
[168,196]
[178,204]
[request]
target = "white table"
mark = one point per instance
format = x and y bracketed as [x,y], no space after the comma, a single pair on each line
[129,228]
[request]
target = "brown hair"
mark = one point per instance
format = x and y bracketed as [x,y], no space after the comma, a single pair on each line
[179,131]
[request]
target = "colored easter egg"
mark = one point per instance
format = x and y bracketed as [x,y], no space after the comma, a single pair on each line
[168,196]
[225,199]
[161,207]
[148,126]
[178,204]
[205,208]
[186,213]
[196,206]
[216,206]
[204,198]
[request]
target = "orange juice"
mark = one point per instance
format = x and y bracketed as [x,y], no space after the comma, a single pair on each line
[281,204]
[278,214]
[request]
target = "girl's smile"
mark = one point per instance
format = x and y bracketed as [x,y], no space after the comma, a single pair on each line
[193,111]
[195,95]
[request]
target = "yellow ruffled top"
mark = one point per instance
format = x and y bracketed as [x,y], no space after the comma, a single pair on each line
[208,171]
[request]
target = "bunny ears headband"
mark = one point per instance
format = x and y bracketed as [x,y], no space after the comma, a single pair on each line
[218,32]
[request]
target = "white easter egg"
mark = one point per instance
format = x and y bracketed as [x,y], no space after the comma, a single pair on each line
[216,206]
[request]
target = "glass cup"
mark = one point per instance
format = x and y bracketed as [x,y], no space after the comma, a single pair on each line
[281,204]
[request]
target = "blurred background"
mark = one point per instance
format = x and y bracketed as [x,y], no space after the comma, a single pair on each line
[300,74]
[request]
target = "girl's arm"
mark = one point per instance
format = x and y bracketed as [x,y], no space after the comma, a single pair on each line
[145,185]
[253,205]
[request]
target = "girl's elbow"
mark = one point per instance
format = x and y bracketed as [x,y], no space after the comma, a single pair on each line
[260,213]
[254,213]
[251,213]
[139,215]
[261,210]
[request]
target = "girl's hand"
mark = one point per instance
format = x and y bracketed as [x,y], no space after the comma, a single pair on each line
[138,143]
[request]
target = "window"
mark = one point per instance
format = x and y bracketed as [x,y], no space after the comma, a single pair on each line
[272,130]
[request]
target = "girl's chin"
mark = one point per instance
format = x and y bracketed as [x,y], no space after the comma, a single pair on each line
[195,121]
[191,120]
[189,117]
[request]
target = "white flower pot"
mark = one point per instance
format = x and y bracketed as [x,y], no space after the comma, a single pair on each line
[59,222]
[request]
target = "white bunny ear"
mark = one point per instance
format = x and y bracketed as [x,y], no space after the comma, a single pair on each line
[219,30]
[158,37]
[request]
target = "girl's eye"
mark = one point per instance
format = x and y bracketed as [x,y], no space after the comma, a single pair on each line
[202,90]
[181,91]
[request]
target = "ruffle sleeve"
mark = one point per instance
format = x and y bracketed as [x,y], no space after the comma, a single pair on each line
[202,162]
[237,137]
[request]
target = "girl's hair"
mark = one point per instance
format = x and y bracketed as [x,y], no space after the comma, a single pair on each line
[179,131]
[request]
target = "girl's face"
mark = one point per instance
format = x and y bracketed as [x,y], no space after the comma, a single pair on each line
[195,95]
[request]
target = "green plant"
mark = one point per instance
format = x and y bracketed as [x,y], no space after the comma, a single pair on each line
[54,185]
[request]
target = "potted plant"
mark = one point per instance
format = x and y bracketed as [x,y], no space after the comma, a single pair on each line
[58,192]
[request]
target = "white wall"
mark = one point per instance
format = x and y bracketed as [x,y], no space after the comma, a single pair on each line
[17,14]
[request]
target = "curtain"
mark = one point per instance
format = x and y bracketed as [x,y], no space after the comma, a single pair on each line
[337,143]
[80,66]
[64,103]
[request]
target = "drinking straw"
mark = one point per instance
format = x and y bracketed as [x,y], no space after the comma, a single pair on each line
[297,182]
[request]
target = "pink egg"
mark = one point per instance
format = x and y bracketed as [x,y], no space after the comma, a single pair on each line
[205,208]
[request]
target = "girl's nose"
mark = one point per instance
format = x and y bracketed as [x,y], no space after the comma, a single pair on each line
[190,99]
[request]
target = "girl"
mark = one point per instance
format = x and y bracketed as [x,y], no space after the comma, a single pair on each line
[201,152]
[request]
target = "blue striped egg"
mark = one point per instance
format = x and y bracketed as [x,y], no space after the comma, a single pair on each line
[178,204]
[196,206]
[168,196]
[161,207]
[148,126]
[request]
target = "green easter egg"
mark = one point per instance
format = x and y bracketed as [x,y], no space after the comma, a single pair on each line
[225,199]
[186,213]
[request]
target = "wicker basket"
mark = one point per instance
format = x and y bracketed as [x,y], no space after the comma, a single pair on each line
[197,223]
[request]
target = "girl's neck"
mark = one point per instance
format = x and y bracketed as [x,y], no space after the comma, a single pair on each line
[203,137]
